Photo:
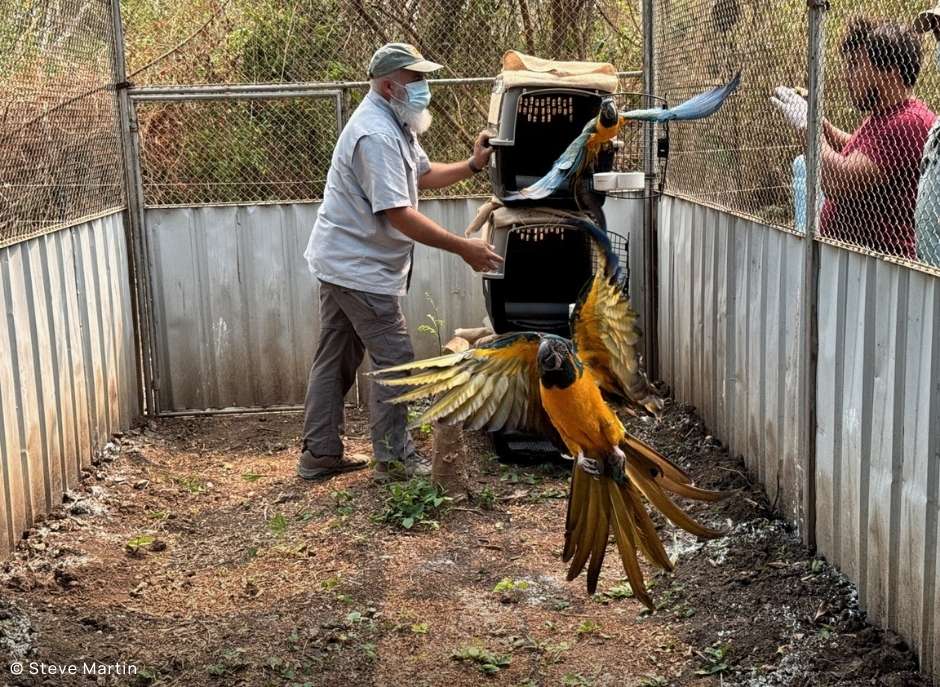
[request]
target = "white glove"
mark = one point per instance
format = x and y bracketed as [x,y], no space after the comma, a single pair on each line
[792,105]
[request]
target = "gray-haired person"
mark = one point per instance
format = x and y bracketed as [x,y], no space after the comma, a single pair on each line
[927,212]
[360,252]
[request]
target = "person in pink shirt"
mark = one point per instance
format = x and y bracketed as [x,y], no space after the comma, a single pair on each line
[870,177]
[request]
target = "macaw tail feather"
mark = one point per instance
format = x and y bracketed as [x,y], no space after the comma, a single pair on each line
[599,505]
[697,107]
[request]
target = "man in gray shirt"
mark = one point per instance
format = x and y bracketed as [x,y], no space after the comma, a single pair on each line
[360,251]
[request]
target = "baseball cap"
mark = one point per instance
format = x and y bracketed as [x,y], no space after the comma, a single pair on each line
[392,56]
[928,21]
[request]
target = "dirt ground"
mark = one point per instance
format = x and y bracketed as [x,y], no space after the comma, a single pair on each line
[193,553]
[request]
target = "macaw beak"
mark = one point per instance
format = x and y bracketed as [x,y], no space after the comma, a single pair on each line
[550,357]
[608,115]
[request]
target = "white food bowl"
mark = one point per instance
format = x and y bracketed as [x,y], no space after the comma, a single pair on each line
[619,181]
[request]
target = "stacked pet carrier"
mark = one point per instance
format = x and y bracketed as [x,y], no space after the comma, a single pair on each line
[537,109]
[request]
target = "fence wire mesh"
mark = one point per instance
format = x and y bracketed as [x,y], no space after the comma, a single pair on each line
[880,179]
[236,151]
[879,157]
[60,159]
[279,41]
[740,158]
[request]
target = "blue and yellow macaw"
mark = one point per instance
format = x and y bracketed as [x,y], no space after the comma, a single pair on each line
[582,151]
[541,383]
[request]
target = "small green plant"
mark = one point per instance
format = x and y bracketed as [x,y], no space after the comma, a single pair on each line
[572,680]
[278,525]
[487,498]
[715,659]
[138,543]
[436,328]
[507,584]
[425,427]
[342,502]
[817,566]
[412,503]
[159,515]
[509,590]
[329,583]
[194,485]
[486,661]
[588,627]
[251,476]
[615,593]
[420,628]
[653,681]
[231,661]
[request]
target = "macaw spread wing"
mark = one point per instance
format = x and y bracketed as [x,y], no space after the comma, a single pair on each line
[492,387]
[605,333]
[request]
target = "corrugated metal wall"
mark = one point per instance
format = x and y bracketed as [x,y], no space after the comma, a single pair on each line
[729,321]
[70,377]
[878,438]
[236,306]
[729,328]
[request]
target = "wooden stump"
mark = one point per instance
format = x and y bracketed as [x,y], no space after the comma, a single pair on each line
[448,458]
[448,461]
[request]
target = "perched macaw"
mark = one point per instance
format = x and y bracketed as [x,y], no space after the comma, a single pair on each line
[582,151]
[541,383]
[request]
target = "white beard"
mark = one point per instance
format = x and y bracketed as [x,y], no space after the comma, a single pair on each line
[419,122]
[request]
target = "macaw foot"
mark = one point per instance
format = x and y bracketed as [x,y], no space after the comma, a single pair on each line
[615,463]
[592,467]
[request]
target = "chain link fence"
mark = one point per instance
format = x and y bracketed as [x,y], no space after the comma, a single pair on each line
[286,41]
[879,160]
[882,90]
[740,158]
[60,156]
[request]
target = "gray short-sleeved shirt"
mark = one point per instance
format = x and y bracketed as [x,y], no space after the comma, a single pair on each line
[375,167]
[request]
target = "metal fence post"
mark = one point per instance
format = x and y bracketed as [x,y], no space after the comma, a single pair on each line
[136,234]
[810,325]
[650,302]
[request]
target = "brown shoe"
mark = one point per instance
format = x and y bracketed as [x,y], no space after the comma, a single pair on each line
[312,467]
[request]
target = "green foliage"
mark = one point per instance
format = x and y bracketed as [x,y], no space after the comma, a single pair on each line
[251,476]
[192,484]
[412,504]
[486,661]
[436,328]
[487,498]
[420,628]
[715,660]
[588,627]
[342,502]
[507,584]
[138,543]
[278,525]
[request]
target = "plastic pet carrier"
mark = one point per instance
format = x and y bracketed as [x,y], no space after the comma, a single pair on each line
[536,109]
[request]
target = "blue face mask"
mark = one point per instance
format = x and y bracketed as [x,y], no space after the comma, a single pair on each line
[417,95]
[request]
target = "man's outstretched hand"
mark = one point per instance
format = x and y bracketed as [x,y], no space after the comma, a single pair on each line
[792,106]
[480,255]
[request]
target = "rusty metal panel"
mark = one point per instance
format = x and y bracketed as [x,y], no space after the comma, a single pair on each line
[64,311]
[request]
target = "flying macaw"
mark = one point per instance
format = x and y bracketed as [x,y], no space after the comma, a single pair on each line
[542,383]
[582,151]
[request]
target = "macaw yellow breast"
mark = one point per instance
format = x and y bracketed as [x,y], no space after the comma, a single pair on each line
[582,417]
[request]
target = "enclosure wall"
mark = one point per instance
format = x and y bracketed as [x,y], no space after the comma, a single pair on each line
[729,328]
[236,306]
[66,327]
[878,438]
[729,296]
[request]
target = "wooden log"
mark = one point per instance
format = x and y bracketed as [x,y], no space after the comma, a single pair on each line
[473,335]
[448,457]
[456,345]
